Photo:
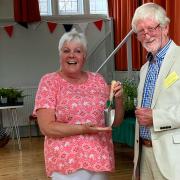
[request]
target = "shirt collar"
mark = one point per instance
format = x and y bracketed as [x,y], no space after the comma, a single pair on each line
[160,54]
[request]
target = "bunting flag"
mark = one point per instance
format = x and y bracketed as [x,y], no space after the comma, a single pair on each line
[83,26]
[9,30]
[23,24]
[51,26]
[99,24]
[68,27]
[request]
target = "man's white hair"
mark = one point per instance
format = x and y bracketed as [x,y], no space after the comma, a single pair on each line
[150,11]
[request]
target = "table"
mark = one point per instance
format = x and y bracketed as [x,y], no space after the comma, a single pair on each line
[125,132]
[12,110]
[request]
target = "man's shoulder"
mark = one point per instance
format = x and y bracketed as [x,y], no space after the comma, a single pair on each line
[175,46]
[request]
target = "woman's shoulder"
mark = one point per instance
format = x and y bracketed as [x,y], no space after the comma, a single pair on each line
[97,78]
[50,76]
[95,75]
[50,79]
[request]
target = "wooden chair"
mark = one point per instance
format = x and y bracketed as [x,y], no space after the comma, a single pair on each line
[33,118]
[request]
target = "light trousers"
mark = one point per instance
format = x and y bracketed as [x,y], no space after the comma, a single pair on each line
[80,175]
[148,167]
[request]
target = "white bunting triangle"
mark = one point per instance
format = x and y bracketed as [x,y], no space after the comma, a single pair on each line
[83,26]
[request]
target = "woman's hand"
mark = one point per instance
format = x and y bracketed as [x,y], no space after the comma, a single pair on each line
[118,90]
[90,128]
[119,107]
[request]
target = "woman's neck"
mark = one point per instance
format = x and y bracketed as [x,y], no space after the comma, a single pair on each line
[78,78]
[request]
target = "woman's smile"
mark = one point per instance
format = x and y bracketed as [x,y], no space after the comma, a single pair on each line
[72,62]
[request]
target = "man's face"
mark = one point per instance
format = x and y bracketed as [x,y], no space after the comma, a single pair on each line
[152,35]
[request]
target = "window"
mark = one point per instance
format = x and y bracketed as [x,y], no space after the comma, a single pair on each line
[98,6]
[70,7]
[45,7]
[73,7]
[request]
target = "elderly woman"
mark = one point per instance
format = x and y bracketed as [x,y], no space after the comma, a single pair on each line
[69,105]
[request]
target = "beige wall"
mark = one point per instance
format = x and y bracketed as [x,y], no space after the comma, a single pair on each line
[32,52]
[6,8]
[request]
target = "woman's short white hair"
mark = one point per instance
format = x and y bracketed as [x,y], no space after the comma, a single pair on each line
[73,35]
[150,11]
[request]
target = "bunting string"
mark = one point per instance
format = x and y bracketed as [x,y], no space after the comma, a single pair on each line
[52,26]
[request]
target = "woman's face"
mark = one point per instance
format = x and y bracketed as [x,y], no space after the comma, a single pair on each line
[72,57]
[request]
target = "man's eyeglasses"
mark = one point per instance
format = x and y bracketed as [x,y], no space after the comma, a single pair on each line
[151,30]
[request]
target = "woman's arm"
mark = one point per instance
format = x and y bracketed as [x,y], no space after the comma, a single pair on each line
[119,107]
[50,127]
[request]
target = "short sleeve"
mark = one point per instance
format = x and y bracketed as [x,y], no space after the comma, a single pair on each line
[103,84]
[46,93]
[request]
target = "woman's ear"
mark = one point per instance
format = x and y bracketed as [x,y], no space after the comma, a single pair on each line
[85,56]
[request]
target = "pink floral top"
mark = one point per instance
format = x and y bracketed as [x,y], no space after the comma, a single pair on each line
[76,104]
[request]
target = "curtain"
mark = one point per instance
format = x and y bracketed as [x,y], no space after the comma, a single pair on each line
[122,12]
[173,11]
[26,11]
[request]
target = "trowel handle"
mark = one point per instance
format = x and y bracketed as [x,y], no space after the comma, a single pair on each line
[113,82]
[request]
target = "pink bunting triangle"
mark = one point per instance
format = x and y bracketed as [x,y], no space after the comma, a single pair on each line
[99,24]
[9,30]
[51,26]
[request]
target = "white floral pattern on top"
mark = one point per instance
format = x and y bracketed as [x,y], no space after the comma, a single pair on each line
[76,104]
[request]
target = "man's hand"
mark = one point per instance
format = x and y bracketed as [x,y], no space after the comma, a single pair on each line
[144,116]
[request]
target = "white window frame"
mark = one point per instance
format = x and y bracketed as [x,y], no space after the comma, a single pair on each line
[49,8]
[86,14]
[75,13]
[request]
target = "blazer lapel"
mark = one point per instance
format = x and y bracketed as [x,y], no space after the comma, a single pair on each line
[164,70]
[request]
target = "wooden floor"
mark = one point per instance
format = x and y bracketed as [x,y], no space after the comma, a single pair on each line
[28,164]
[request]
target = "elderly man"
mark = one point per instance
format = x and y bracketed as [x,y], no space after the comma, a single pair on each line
[157,143]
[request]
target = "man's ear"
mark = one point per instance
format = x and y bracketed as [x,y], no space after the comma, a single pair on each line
[166,29]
